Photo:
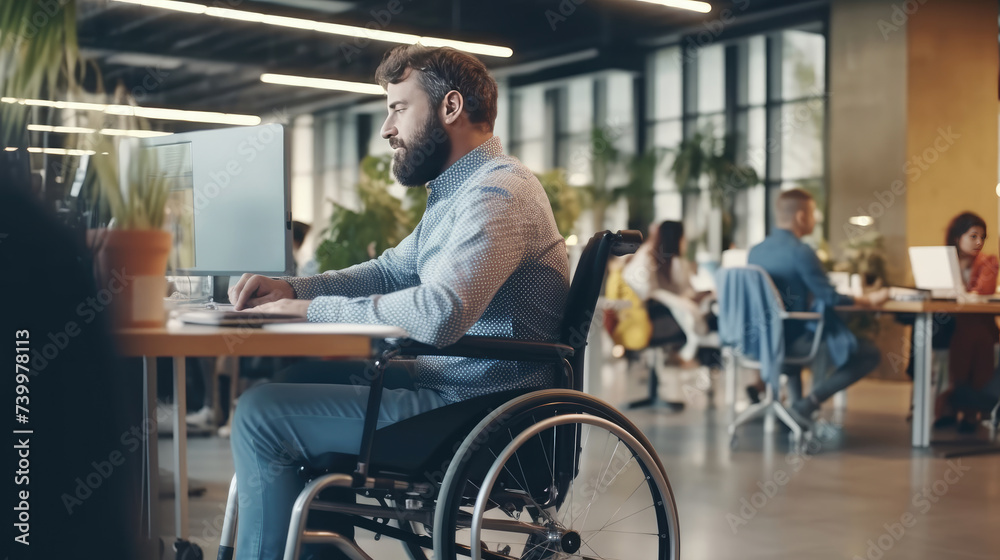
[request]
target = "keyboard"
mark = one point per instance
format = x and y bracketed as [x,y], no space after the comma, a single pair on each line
[227,318]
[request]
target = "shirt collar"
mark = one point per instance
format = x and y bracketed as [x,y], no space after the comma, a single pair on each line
[787,233]
[449,181]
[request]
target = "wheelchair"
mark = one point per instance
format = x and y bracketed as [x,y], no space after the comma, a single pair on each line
[552,473]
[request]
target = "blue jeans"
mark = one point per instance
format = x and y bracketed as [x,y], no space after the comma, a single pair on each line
[863,361]
[279,427]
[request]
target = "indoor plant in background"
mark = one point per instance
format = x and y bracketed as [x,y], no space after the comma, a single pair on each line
[39,56]
[564,199]
[710,161]
[381,222]
[864,254]
[604,159]
[636,187]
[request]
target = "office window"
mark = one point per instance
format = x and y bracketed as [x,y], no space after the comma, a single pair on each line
[767,93]
[664,129]
[527,126]
[556,131]
[798,113]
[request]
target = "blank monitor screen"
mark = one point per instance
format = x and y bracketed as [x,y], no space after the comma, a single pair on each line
[229,200]
[936,268]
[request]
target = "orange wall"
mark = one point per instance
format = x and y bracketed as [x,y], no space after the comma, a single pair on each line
[951,139]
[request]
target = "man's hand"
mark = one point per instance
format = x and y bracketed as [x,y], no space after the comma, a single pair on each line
[254,289]
[297,307]
[873,299]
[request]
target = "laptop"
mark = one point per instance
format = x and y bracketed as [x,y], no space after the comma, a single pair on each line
[224,315]
[936,270]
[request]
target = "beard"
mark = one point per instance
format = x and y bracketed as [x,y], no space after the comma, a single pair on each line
[421,160]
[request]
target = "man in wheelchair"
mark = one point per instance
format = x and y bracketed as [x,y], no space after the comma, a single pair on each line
[486,265]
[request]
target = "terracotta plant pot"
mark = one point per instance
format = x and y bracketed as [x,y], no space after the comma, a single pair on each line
[133,267]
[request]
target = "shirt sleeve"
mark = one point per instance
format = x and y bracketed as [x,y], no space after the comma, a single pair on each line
[680,276]
[985,274]
[816,280]
[486,245]
[637,273]
[394,270]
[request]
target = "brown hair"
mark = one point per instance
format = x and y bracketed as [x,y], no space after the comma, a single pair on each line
[960,225]
[790,202]
[442,70]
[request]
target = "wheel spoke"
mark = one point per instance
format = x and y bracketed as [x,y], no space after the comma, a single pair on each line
[524,477]
[604,448]
[602,530]
[512,476]
[619,532]
[597,487]
[625,501]
[488,499]
[630,515]
[594,551]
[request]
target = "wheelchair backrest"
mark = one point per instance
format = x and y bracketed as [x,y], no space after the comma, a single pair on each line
[581,303]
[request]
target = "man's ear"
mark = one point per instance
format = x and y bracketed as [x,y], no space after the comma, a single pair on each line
[452,107]
[802,216]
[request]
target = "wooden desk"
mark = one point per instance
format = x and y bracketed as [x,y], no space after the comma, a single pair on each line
[181,341]
[923,330]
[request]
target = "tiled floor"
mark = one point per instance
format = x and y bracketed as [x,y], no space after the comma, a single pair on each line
[850,500]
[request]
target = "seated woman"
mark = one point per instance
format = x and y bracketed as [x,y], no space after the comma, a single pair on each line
[660,275]
[970,354]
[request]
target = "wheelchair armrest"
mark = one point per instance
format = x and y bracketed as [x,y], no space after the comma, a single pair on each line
[491,348]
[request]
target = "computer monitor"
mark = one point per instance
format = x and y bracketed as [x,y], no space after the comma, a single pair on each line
[229,201]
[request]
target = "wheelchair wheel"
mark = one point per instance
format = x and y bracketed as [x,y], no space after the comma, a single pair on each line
[556,474]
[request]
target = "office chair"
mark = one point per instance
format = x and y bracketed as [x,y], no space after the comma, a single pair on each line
[507,475]
[752,286]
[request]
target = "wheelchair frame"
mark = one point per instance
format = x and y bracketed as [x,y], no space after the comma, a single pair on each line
[417,501]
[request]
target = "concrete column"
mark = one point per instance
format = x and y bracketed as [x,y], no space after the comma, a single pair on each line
[867,111]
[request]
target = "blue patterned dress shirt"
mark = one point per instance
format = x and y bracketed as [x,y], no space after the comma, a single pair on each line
[486,259]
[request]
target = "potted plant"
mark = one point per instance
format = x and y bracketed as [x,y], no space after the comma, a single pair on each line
[381,222]
[706,163]
[636,188]
[638,191]
[38,55]
[564,199]
[132,253]
[604,158]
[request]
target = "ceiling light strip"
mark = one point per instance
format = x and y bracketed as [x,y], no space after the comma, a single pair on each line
[694,6]
[145,112]
[61,151]
[322,83]
[60,129]
[105,131]
[134,133]
[331,28]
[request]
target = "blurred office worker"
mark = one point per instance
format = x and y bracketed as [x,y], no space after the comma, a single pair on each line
[804,285]
[970,359]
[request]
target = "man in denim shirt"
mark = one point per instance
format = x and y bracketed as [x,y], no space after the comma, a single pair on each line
[485,259]
[803,285]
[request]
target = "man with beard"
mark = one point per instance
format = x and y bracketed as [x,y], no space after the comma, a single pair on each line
[485,259]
